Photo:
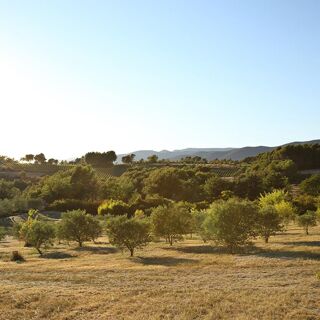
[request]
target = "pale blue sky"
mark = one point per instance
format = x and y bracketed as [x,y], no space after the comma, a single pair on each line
[77,76]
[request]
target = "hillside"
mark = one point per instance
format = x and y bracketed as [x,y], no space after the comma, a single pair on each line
[211,153]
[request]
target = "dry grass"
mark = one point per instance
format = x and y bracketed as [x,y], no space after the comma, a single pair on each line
[188,281]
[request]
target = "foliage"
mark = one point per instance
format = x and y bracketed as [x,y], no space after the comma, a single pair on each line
[311,185]
[171,221]
[74,204]
[113,207]
[214,186]
[16,256]
[129,233]
[198,218]
[279,199]
[306,220]
[231,223]
[78,182]
[269,222]
[3,233]
[128,158]
[121,188]
[77,225]
[37,233]
[8,189]
[40,158]
[100,159]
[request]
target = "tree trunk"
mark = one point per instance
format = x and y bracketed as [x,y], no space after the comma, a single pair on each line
[40,252]
[307,230]
[131,252]
[171,240]
[266,239]
[80,243]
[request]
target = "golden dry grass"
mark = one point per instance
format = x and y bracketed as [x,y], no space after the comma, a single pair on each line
[187,281]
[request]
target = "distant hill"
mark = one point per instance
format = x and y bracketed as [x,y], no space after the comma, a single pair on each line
[211,153]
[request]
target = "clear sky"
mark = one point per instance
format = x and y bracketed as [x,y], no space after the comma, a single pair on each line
[78,76]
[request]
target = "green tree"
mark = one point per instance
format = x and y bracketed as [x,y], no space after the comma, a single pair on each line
[231,223]
[269,222]
[171,221]
[153,159]
[77,225]
[307,220]
[128,158]
[37,233]
[279,199]
[100,159]
[311,185]
[40,158]
[214,186]
[3,233]
[129,233]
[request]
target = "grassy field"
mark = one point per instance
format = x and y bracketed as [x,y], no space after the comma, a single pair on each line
[190,280]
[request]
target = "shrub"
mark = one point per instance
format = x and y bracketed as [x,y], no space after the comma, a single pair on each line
[171,221]
[3,233]
[309,219]
[75,204]
[269,222]
[16,256]
[231,223]
[113,207]
[311,185]
[129,233]
[37,233]
[77,225]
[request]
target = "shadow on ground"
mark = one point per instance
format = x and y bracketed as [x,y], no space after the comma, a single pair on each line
[57,255]
[302,243]
[164,261]
[98,250]
[254,251]
[285,254]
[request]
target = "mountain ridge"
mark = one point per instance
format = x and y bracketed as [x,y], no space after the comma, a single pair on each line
[211,153]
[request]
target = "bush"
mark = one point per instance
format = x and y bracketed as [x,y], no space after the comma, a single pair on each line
[311,185]
[75,204]
[269,222]
[309,219]
[129,233]
[37,233]
[231,223]
[77,225]
[171,221]
[113,207]
[16,256]
[3,233]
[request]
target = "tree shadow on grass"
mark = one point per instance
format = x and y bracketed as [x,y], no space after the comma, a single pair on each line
[302,243]
[98,250]
[249,250]
[287,254]
[211,249]
[164,261]
[57,255]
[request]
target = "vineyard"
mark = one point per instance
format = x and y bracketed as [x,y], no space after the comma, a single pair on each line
[39,170]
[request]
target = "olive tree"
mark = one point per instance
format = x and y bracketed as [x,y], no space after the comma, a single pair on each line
[231,223]
[171,221]
[309,219]
[3,233]
[129,233]
[269,222]
[77,225]
[37,233]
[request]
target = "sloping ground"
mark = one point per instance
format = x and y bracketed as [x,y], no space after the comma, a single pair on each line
[39,170]
[187,281]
